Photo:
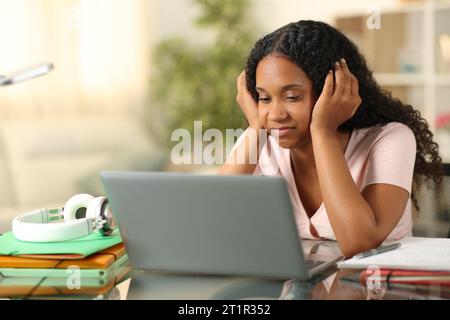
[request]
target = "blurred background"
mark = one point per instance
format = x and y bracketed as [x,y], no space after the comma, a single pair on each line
[128,72]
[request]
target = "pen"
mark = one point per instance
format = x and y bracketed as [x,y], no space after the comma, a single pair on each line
[377,250]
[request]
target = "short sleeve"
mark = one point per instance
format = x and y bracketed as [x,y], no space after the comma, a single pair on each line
[392,157]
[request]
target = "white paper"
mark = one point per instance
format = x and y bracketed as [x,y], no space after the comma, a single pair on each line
[414,254]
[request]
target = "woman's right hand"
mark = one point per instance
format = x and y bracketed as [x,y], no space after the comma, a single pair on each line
[235,165]
[246,102]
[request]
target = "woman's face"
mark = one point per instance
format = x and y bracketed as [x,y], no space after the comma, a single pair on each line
[286,100]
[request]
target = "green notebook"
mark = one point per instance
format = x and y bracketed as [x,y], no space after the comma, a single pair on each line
[79,248]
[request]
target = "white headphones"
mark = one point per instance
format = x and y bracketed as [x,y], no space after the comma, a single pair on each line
[82,214]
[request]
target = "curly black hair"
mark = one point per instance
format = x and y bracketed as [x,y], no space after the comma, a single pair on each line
[314,46]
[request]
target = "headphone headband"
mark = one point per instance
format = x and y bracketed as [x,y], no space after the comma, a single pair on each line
[34,226]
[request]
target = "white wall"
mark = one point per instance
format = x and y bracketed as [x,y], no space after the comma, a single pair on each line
[176,16]
[100,49]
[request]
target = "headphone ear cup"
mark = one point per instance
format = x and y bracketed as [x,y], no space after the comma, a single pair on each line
[72,207]
[95,207]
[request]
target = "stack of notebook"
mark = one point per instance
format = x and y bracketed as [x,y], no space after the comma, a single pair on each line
[88,267]
[419,265]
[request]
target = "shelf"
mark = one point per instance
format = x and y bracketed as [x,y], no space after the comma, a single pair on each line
[442,80]
[385,10]
[408,37]
[442,6]
[398,9]
[399,79]
[410,79]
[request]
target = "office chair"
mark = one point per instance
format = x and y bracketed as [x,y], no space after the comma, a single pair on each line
[433,218]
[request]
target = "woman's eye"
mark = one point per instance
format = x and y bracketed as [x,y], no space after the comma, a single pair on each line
[264,100]
[293,98]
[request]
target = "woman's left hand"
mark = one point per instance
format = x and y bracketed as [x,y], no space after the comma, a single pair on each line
[338,101]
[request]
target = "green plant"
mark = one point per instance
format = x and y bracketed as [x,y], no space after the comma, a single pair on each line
[199,83]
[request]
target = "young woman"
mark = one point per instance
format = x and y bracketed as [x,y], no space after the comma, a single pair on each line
[348,150]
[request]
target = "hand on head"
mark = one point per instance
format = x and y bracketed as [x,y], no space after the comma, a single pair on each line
[339,99]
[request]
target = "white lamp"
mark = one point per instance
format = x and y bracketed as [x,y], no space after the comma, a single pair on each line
[26,73]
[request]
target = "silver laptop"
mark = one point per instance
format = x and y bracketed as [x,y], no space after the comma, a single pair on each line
[217,225]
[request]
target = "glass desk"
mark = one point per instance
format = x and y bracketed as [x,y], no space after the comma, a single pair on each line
[144,285]
[138,284]
[333,285]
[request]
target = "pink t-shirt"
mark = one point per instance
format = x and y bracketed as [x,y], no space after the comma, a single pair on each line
[378,154]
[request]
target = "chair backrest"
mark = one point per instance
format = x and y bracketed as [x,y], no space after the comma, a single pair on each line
[433,219]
